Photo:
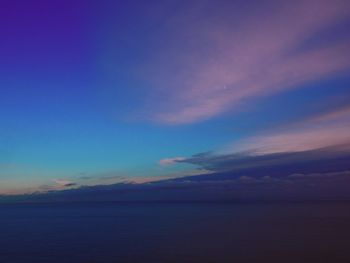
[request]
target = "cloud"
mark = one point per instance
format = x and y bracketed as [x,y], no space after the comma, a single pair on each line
[306,186]
[170,161]
[324,130]
[113,177]
[218,60]
[54,185]
[64,183]
[236,165]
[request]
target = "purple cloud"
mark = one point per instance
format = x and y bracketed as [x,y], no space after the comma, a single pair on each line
[215,63]
[324,130]
[170,161]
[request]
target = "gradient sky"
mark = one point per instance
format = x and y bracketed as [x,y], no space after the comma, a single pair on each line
[100,92]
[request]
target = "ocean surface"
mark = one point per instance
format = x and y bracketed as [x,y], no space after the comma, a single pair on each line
[151,233]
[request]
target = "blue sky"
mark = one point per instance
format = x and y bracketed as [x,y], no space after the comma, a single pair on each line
[109,89]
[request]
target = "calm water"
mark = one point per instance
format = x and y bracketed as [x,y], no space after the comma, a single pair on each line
[151,233]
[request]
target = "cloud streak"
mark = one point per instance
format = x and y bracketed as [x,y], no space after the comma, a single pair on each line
[64,183]
[320,143]
[170,161]
[324,130]
[219,63]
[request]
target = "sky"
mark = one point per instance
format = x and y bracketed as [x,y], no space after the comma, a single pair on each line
[106,92]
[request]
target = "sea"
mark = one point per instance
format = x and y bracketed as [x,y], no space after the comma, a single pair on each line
[280,232]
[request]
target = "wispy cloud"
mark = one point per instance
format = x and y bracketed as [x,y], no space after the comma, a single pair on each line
[170,161]
[218,63]
[64,182]
[215,187]
[317,144]
[324,130]
[320,143]
[52,185]
[275,164]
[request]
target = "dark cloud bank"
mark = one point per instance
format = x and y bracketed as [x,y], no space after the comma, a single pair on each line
[322,174]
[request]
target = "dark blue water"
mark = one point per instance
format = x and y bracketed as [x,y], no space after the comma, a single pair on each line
[151,233]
